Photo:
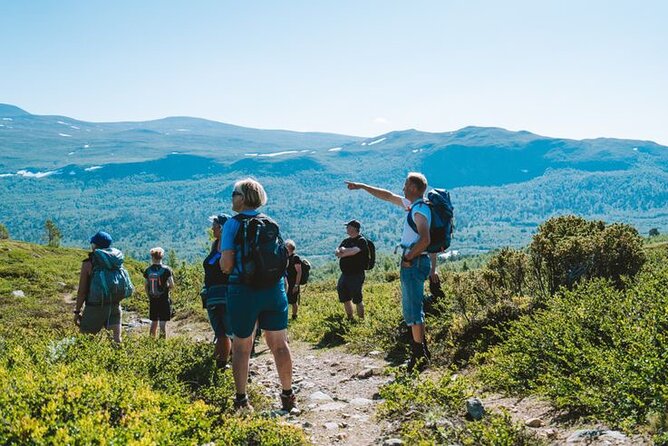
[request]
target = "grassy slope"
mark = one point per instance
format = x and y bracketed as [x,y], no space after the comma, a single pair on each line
[64,388]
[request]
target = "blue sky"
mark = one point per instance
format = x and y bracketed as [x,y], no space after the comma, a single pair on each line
[563,68]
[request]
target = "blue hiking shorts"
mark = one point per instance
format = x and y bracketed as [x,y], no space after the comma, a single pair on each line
[266,306]
[412,289]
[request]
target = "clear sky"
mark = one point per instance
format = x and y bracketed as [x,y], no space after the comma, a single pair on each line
[564,68]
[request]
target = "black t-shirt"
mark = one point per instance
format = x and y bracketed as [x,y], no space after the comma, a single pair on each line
[291,272]
[354,264]
[213,275]
[164,277]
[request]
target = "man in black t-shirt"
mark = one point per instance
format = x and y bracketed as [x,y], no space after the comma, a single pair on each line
[293,275]
[353,254]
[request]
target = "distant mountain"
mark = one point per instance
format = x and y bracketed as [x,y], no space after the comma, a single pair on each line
[157,181]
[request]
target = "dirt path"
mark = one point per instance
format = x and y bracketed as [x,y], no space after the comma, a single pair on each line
[337,391]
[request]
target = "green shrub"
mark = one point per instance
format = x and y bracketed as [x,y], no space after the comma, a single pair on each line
[598,352]
[431,411]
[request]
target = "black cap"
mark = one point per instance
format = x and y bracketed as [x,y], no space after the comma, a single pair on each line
[355,224]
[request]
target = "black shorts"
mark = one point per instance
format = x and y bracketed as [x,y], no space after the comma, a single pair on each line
[160,309]
[294,298]
[350,287]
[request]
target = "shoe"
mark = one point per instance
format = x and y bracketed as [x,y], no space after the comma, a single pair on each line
[294,317]
[419,359]
[288,402]
[243,406]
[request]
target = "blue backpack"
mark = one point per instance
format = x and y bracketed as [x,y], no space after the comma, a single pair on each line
[442,214]
[110,281]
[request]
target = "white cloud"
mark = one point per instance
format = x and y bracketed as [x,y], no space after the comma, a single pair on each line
[335,149]
[92,168]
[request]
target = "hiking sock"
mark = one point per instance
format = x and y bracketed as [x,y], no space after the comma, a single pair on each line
[288,400]
[240,397]
[418,356]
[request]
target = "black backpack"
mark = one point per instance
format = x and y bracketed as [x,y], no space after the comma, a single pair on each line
[155,281]
[264,256]
[371,252]
[306,271]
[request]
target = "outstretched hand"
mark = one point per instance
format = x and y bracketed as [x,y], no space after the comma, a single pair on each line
[353,186]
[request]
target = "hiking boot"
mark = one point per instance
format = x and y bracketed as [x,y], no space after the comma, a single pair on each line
[243,406]
[222,364]
[419,359]
[294,317]
[288,402]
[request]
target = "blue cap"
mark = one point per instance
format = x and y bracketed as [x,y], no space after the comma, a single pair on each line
[101,240]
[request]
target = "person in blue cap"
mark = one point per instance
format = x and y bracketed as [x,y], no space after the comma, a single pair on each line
[103,282]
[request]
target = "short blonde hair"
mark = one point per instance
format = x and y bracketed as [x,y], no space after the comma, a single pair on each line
[157,253]
[290,243]
[418,180]
[252,192]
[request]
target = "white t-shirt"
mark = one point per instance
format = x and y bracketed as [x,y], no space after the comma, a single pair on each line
[409,237]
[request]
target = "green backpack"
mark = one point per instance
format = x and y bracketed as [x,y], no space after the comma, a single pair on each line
[110,281]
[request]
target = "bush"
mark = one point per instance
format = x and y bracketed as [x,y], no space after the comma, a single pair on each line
[4,233]
[597,351]
[430,411]
[568,249]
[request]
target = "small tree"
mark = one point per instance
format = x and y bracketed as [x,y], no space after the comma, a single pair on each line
[52,234]
[654,232]
[172,260]
[4,233]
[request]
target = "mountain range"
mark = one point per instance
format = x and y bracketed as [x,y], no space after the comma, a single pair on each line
[128,177]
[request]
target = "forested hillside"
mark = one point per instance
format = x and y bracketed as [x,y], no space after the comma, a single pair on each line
[157,182]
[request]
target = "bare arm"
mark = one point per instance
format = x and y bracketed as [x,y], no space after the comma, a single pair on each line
[227,261]
[377,192]
[170,282]
[347,252]
[298,278]
[434,261]
[423,240]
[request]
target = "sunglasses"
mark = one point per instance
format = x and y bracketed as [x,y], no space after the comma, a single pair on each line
[235,193]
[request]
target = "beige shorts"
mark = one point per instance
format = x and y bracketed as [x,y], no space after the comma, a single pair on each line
[95,318]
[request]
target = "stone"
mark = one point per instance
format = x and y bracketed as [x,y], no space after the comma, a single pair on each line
[334,364]
[586,436]
[331,426]
[533,422]
[330,407]
[18,293]
[393,442]
[342,436]
[550,433]
[145,321]
[360,402]
[375,353]
[343,425]
[61,284]
[306,424]
[295,412]
[474,408]
[320,396]
[366,373]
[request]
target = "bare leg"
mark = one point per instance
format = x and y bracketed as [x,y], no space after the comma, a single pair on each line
[154,329]
[348,307]
[163,329]
[418,332]
[116,330]
[360,310]
[295,307]
[222,348]
[240,358]
[278,344]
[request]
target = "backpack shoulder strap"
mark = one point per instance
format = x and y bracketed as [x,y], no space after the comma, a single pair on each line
[409,217]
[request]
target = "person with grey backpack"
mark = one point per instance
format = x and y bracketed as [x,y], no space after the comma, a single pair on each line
[103,283]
